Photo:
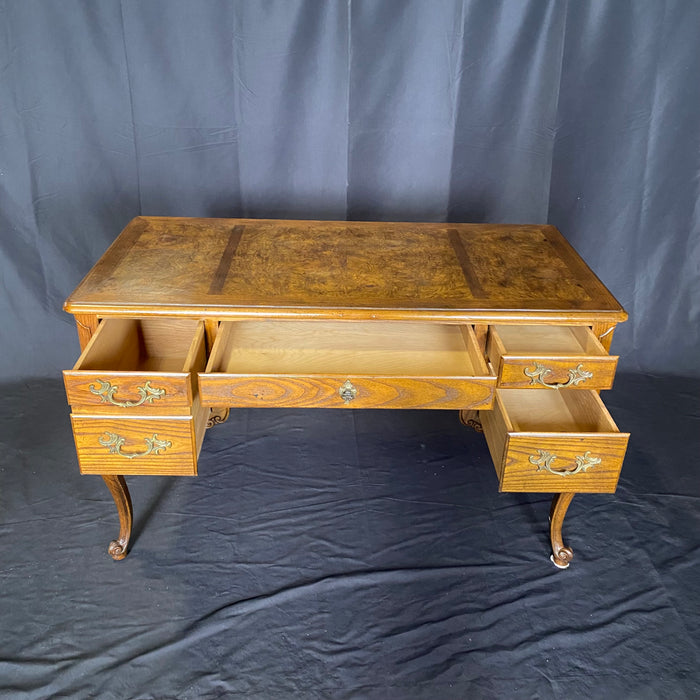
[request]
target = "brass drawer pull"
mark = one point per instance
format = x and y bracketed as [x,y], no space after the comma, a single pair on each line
[544,463]
[114,443]
[347,391]
[106,392]
[537,376]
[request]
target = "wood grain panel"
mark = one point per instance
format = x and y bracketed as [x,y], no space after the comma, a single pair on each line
[180,458]
[177,388]
[520,474]
[512,375]
[329,269]
[322,391]
[514,349]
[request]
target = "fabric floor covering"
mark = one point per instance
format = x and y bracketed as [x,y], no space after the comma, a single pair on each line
[349,554]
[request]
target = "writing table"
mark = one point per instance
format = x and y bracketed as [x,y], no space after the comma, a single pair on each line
[183,319]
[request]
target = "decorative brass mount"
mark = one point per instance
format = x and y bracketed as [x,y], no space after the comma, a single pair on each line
[114,443]
[106,392]
[545,459]
[347,391]
[537,376]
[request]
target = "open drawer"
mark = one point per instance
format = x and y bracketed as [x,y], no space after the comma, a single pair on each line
[340,364]
[549,357]
[134,397]
[138,366]
[553,441]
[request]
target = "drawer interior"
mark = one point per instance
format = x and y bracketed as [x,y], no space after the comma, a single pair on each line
[555,412]
[547,340]
[141,344]
[350,348]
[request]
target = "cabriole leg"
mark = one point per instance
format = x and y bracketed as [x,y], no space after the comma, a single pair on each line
[117,486]
[561,555]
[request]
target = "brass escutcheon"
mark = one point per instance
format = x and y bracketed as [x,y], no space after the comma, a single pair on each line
[347,391]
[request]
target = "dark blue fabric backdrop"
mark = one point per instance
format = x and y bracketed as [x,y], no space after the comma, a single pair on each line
[350,554]
[583,114]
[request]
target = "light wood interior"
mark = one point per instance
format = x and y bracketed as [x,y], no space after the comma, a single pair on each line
[476,356]
[201,414]
[556,411]
[149,345]
[548,340]
[365,348]
[496,427]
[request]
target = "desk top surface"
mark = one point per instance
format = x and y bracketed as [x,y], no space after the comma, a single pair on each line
[342,269]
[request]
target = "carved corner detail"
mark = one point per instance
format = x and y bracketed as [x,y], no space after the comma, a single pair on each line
[470,418]
[217,416]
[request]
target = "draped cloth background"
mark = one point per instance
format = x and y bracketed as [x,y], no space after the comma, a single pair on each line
[351,554]
[582,114]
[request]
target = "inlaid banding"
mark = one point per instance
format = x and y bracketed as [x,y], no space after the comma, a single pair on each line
[219,279]
[467,268]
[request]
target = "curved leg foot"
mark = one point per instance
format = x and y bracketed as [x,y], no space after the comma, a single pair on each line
[216,416]
[561,554]
[471,419]
[120,493]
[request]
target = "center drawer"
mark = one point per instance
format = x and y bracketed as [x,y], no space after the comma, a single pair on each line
[346,365]
[549,357]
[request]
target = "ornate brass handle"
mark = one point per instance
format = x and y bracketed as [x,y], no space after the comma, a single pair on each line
[106,392]
[544,463]
[347,391]
[537,376]
[114,443]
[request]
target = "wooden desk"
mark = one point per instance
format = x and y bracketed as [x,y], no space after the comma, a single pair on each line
[182,319]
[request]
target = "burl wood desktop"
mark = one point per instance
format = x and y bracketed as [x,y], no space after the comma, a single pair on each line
[184,319]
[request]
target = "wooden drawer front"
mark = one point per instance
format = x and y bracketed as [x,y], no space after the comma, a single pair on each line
[122,392]
[344,392]
[528,460]
[346,365]
[568,443]
[170,446]
[549,357]
[138,366]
